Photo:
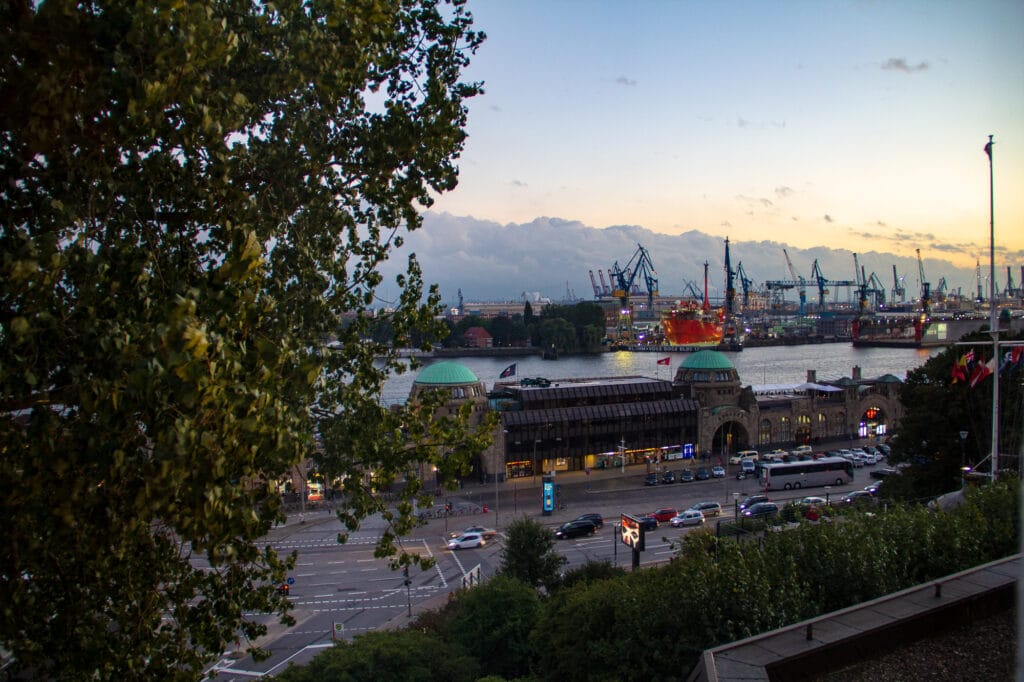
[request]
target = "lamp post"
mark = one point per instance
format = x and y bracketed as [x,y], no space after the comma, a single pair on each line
[828,489]
[963,476]
[534,467]
[963,450]
[736,506]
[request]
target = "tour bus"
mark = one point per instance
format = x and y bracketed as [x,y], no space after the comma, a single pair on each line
[794,475]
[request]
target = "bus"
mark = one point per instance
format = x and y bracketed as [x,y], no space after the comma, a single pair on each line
[795,475]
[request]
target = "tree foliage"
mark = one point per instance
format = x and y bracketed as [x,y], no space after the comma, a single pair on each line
[529,554]
[192,196]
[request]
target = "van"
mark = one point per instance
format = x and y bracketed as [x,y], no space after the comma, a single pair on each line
[742,455]
[803,449]
[747,466]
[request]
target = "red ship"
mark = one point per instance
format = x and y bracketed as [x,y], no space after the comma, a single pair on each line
[689,323]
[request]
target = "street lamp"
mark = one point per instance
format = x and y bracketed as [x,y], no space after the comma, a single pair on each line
[963,476]
[535,441]
[736,506]
[963,450]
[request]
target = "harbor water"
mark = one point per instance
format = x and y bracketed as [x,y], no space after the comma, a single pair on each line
[757,366]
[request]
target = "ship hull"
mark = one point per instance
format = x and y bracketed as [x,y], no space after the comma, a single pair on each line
[692,328]
[914,331]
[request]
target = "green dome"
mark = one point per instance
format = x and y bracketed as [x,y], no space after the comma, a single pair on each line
[707,359]
[446,373]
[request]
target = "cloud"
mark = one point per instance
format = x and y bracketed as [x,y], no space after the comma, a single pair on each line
[742,122]
[767,203]
[623,80]
[783,191]
[519,183]
[900,64]
[828,218]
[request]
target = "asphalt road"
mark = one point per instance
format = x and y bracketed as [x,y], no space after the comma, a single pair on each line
[343,590]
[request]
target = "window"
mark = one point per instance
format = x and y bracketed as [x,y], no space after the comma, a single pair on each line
[764,435]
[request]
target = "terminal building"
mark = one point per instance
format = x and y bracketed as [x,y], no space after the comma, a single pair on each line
[704,412]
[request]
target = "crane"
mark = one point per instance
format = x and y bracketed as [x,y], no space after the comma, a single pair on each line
[605,291]
[981,291]
[730,286]
[926,287]
[876,289]
[623,280]
[799,279]
[898,290]
[823,283]
[593,283]
[745,282]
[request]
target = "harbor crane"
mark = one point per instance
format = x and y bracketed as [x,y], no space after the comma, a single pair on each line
[623,280]
[593,283]
[824,283]
[745,283]
[981,291]
[926,287]
[802,284]
[898,290]
[730,286]
[876,289]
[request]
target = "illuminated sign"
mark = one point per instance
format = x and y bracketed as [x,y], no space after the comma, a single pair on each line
[549,495]
[688,451]
[632,533]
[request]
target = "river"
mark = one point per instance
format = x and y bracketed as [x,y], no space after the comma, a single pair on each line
[766,365]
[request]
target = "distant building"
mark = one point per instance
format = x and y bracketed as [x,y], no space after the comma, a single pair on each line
[478,337]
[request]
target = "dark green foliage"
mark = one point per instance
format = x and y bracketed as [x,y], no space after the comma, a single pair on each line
[494,622]
[194,195]
[529,554]
[407,655]
[589,572]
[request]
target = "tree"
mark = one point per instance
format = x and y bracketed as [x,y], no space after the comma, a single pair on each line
[193,194]
[388,655]
[529,554]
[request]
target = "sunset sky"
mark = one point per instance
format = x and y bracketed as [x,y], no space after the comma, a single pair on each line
[845,124]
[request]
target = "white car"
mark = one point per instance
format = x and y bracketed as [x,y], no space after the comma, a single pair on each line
[488,533]
[689,517]
[812,501]
[467,541]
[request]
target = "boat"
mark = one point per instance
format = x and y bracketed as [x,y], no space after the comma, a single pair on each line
[915,330]
[689,323]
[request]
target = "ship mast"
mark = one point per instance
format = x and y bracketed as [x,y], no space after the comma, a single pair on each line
[707,304]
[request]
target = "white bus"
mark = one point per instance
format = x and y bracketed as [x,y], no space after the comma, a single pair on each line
[795,475]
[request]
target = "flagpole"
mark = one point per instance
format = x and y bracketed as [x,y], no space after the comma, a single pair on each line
[994,323]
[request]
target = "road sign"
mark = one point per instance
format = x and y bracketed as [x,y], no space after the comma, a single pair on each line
[338,632]
[291,581]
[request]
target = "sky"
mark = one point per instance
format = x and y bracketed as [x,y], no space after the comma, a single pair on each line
[857,125]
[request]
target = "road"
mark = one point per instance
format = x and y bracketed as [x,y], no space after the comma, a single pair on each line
[345,590]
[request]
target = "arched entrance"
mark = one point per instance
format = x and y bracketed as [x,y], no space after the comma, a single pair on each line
[729,438]
[872,423]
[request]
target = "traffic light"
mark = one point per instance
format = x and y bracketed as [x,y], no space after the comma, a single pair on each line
[405,572]
[447,506]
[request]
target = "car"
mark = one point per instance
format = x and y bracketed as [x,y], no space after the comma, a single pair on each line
[467,541]
[686,475]
[872,450]
[761,510]
[879,474]
[707,508]
[885,449]
[812,501]
[664,514]
[873,488]
[648,522]
[858,461]
[488,533]
[703,474]
[652,479]
[859,498]
[747,467]
[575,529]
[595,519]
[668,477]
[800,449]
[752,500]
[688,517]
[718,472]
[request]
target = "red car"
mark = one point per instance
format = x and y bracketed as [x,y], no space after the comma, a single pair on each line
[665,514]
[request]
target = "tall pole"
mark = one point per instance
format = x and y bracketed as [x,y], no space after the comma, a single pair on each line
[994,323]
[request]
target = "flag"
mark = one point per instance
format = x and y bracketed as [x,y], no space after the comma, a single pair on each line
[1011,359]
[988,149]
[665,361]
[509,371]
[960,370]
[982,370]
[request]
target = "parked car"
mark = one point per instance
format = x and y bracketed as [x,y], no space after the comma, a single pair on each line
[718,472]
[858,460]
[752,500]
[859,498]
[652,479]
[488,533]
[668,477]
[707,508]
[575,529]
[595,519]
[686,475]
[761,510]
[467,541]
[886,450]
[882,473]
[665,514]
[688,517]
[703,474]
[747,467]
[648,522]
[812,501]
